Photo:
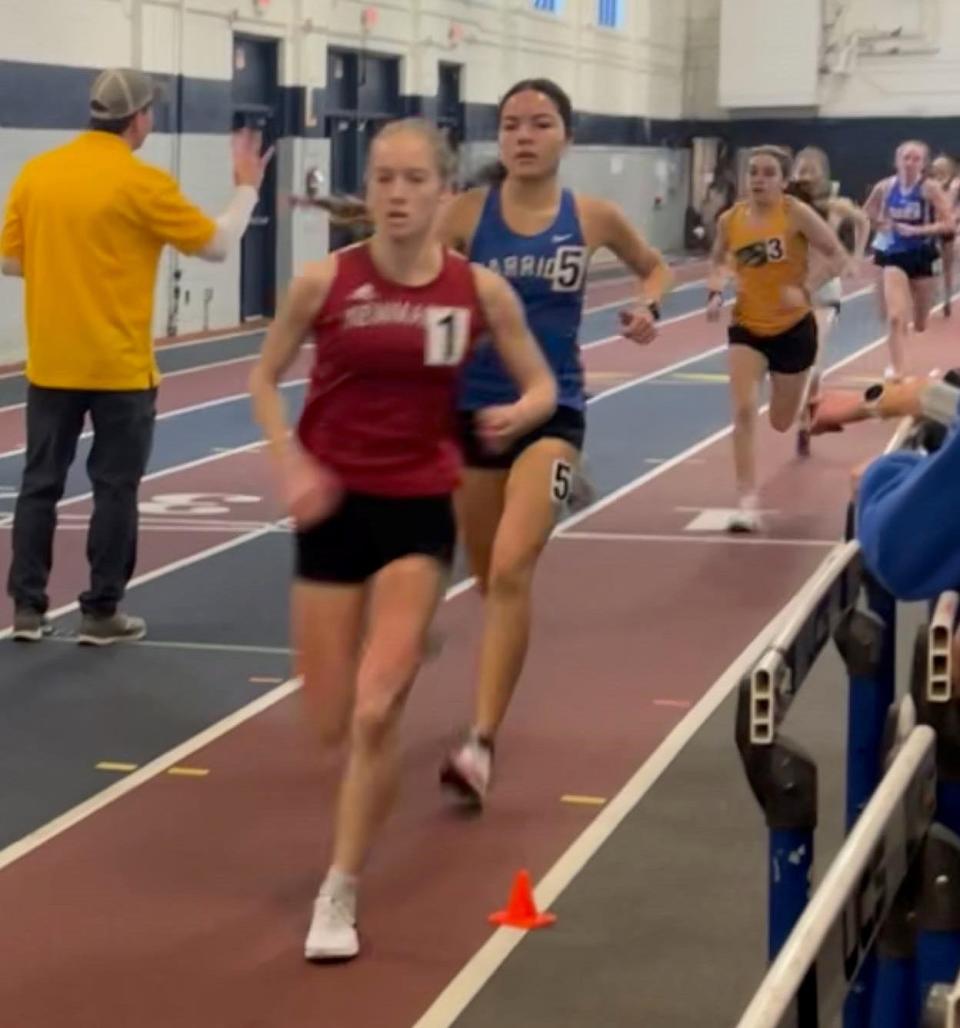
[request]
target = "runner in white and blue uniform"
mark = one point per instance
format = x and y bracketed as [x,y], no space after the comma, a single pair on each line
[910,211]
[540,237]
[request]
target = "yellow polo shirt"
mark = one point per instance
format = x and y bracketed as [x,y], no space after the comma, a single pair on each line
[87,222]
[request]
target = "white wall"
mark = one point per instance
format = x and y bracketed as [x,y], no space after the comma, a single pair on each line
[921,81]
[633,70]
[636,70]
[702,59]
[769,52]
[860,77]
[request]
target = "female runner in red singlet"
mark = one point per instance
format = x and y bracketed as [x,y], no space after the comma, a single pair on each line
[370,477]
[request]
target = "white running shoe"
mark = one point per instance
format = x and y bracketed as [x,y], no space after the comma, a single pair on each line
[745,518]
[333,930]
[467,771]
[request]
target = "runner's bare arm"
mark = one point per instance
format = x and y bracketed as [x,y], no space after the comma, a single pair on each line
[719,264]
[286,335]
[608,226]
[873,208]
[847,210]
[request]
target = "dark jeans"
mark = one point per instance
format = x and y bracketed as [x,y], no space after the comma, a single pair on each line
[122,438]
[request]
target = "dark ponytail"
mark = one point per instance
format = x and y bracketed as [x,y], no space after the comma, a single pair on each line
[490,174]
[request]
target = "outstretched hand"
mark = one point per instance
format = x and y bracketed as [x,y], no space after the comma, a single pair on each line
[249,164]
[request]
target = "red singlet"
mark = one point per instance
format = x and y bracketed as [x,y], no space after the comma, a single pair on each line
[380,409]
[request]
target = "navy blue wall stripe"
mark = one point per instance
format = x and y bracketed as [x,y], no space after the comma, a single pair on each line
[861,150]
[45,96]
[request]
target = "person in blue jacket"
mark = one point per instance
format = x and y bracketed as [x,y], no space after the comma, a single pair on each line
[907,501]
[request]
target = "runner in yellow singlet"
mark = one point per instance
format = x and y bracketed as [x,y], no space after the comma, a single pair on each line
[767,237]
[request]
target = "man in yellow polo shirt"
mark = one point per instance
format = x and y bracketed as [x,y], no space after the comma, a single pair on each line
[85,226]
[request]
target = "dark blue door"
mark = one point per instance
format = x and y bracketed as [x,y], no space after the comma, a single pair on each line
[256,97]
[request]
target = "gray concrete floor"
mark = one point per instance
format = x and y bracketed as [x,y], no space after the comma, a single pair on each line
[666,927]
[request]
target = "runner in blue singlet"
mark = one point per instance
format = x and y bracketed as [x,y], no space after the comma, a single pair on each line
[540,238]
[910,212]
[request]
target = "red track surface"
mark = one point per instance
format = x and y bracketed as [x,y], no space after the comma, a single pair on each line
[187,903]
[246,473]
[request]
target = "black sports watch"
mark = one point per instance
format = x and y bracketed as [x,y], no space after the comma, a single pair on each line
[871,399]
[654,308]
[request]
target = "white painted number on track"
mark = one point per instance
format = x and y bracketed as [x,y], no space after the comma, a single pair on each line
[194,504]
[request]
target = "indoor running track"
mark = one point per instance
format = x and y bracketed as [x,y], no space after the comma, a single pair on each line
[163,813]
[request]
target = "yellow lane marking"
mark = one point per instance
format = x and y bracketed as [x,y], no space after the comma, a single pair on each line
[123,768]
[584,801]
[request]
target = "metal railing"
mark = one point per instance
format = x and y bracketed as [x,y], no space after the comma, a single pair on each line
[881,935]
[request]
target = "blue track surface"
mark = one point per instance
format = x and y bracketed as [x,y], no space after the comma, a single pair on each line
[658,418]
[138,702]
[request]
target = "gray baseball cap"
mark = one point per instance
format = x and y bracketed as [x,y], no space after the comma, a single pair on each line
[119,92]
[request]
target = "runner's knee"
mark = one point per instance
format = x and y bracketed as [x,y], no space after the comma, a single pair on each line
[511,576]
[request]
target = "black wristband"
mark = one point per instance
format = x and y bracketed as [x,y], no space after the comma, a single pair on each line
[654,308]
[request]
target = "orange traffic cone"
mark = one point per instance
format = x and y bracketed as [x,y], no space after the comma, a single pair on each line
[521,909]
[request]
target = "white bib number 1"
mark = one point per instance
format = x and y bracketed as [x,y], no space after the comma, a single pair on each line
[447,335]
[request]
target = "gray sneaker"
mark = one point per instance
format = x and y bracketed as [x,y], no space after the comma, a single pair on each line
[105,631]
[30,625]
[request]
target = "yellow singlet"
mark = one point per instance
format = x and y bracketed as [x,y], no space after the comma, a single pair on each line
[769,254]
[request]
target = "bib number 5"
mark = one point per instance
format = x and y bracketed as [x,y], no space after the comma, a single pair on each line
[570,268]
[561,481]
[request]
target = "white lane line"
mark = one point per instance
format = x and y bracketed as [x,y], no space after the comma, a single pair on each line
[163,644]
[692,451]
[156,767]
[161,347]
[165,569]
[177,412]
[456,996]
[483,965]
[720,540]
[695,313]
[461,991]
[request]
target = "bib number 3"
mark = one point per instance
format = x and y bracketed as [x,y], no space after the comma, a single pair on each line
[447,335]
